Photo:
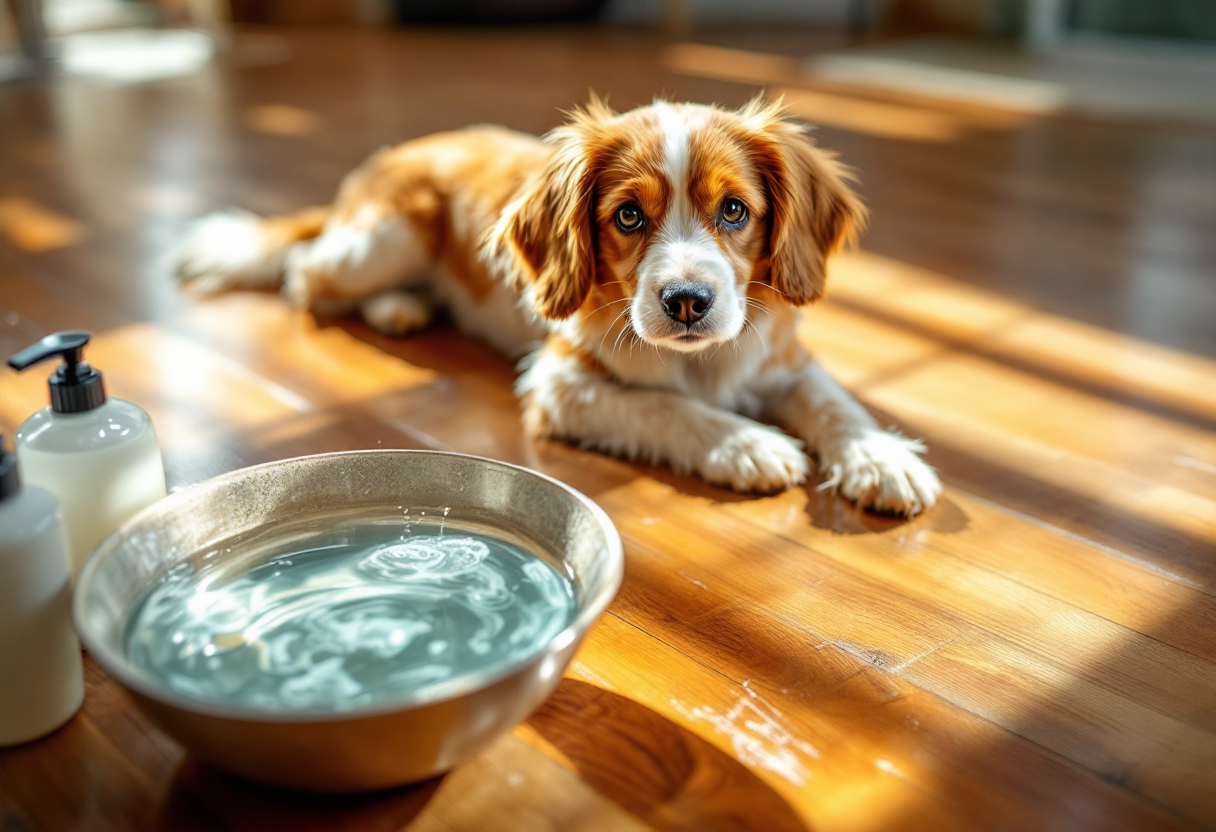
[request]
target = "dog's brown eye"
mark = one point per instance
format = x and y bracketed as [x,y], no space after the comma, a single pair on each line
[629,217]
[734,212]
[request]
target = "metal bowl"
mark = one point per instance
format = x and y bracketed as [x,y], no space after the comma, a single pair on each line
[411,738]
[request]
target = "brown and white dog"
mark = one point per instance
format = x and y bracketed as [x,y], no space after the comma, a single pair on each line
[649,264]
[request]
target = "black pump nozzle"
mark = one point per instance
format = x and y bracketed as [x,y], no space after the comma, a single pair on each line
[10,482]
[75,386]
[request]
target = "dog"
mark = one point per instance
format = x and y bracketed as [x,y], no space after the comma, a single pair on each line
[650,265]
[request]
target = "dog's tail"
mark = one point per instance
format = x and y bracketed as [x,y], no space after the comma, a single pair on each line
[238,250]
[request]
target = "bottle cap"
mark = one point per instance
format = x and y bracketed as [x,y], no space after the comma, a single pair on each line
[10,481]
[75,386]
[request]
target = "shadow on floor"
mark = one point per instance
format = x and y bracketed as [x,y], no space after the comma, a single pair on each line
[202,798]
[664,774]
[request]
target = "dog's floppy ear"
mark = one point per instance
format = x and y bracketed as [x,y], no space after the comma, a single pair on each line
[544,240]
[813,212]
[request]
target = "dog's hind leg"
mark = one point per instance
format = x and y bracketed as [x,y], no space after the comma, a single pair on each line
[397,312]
[239,250]
[364,253]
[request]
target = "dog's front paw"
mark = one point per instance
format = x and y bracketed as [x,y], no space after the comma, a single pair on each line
[756,458]
[881,471]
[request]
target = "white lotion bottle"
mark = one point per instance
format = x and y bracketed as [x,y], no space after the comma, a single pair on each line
[41,674]
[99,456]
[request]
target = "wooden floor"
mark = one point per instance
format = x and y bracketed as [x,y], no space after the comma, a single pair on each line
[1035,299]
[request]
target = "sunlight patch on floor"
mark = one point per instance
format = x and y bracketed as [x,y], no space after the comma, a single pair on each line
[891,121]
[34,227]
[985,88]
[280,120]
[1105,77]
[933,305]
[838,105]
[323,358]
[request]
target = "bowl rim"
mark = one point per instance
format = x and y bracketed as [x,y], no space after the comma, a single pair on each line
[116,664]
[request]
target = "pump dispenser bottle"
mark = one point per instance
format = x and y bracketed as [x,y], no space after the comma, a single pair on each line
[41,677]
[99,456]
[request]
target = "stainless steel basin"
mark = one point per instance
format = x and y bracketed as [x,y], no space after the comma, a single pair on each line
[417,736]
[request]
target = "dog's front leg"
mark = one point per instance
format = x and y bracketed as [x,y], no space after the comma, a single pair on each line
[878,469]
[567,397]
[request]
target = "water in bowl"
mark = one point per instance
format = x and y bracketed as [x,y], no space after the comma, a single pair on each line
[349,618]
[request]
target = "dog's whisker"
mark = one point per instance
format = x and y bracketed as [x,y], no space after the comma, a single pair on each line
[634,338]
[609,303]
[608,331]
[752,303]
[767,286]
[628,327]
[659,353]
[751,327]
[748,326]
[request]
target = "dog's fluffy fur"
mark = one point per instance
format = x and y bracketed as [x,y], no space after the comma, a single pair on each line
[569,248]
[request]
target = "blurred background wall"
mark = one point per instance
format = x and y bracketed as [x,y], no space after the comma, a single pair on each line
[1192,21]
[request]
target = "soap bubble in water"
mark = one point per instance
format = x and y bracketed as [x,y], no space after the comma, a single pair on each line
[378,626]
[418,676]
[547,580]
[430,557]
[325,683]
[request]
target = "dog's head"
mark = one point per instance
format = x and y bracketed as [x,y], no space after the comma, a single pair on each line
[676,210]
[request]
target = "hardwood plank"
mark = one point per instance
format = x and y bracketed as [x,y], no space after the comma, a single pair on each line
[31,308]
[1151,754]
[1067,457]
[874,613]
[35,227]
[1079,573]
[655,768]
[514,786]
[719,710]
[1062,487]
[316,359]
[986,223]
[853,713]
[1171,681]
[903,763]
[77,778]
[1050,414]
[916,302]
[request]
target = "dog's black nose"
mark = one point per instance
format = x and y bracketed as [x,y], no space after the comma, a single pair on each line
[686,301]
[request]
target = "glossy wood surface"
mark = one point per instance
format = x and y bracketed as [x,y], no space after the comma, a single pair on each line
[1035,299]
